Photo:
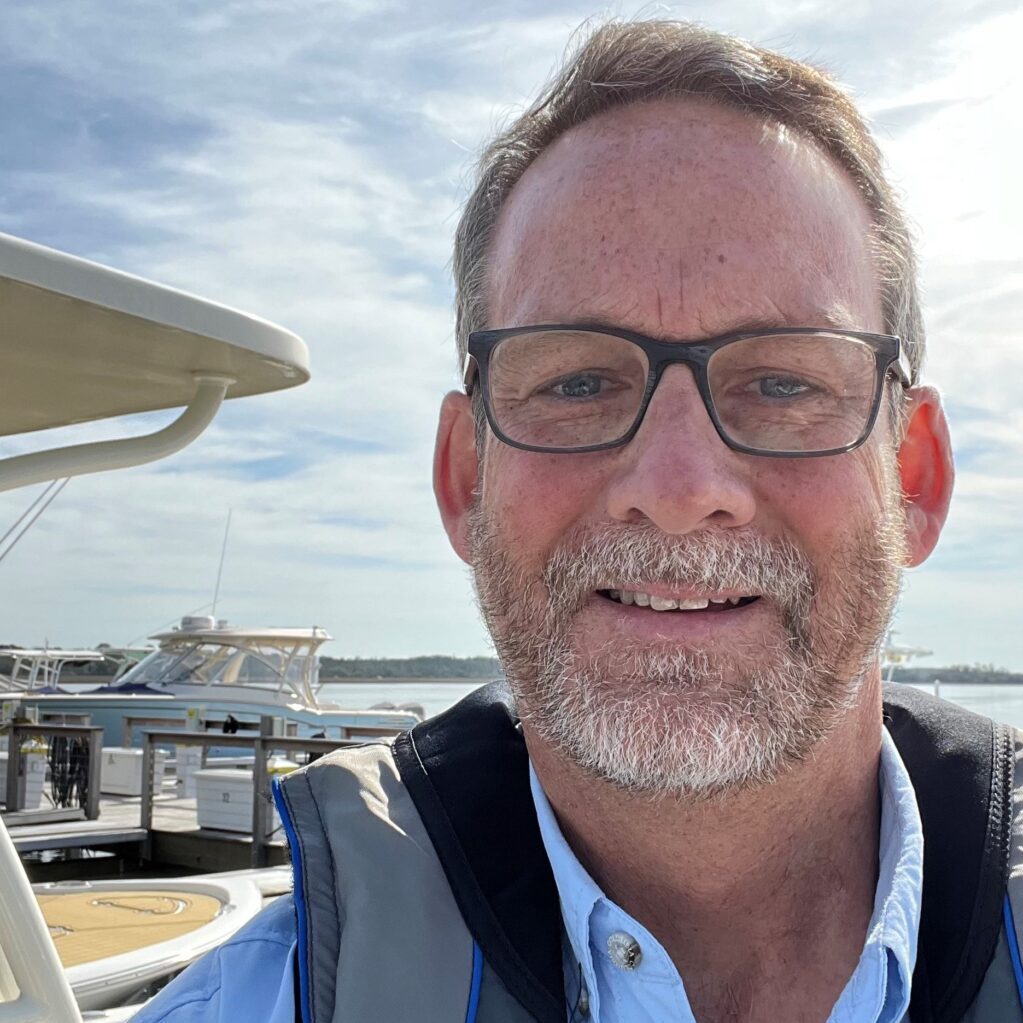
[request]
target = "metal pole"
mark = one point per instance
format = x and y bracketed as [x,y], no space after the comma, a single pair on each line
[260,783]
[31,522]
[101,456]
[13,768]
[95,772]
[220,567]
[146,815]
[260,786]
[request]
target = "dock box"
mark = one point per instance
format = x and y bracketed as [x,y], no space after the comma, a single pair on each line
[122,771]
[224,798]
[33,778]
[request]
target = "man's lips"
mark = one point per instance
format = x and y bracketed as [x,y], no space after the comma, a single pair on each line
[606,620]
[661,600]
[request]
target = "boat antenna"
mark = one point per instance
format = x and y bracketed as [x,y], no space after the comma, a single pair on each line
[43,501]
[220,569]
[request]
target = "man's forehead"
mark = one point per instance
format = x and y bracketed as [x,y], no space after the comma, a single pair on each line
[647,201]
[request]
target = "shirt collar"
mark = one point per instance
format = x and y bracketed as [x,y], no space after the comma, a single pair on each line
[891,943]
[895,923]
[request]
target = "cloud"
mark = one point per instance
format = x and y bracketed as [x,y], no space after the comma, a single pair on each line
[305,160]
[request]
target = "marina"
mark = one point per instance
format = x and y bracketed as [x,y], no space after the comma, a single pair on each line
[162,827]
[138,821]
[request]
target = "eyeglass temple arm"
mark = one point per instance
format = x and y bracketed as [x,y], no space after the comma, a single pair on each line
[468,374]
[902,364]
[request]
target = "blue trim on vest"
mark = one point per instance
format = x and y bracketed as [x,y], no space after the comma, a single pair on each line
[1010,933]
[477,983]
[299,896]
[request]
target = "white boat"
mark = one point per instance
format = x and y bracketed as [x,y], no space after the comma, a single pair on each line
[895,655]
[119,1014]
[116,938]
[224,676]
[40,669]
[91,343]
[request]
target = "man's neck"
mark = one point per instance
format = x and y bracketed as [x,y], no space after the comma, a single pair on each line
[748,890]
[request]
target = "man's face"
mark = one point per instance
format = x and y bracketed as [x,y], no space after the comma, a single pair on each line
[685,221]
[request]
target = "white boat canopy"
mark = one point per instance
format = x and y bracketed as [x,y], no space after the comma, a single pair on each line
[82,342]
[311,637]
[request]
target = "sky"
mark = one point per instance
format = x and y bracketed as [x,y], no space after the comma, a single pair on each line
[305,160]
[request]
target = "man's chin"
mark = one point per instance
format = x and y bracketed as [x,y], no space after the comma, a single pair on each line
[682,725]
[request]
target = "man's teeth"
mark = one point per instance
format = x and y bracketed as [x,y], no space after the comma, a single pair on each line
[666,603]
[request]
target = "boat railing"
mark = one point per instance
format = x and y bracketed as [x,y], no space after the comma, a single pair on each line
[218,726]
[264,744]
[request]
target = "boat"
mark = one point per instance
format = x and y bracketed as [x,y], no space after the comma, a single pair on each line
[117,938]
[119,1014]
[40,669]
[227,678]
[272,883]
[895,655]
[92,343]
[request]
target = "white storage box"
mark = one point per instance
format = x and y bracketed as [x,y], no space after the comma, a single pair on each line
[121,773]
[224,797]
[33,778]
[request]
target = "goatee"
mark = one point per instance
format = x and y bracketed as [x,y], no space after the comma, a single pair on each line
[691,722]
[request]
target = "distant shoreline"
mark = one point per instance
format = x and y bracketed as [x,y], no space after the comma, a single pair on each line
[916,676]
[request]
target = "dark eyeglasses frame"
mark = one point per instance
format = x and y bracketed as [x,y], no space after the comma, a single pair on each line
[889,356]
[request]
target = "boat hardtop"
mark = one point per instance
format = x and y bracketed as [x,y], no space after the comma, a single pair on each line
[206,652]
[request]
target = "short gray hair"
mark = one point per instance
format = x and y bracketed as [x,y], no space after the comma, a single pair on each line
[624,62]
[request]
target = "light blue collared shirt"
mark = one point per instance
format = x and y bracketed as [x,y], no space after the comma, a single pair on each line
[652,992]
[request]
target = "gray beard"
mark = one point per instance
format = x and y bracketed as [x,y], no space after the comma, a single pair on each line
[660,720]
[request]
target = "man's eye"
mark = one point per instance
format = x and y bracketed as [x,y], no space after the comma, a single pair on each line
[584,385]
[782,387]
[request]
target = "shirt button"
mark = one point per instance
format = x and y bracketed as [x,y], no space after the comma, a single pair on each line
[624,950]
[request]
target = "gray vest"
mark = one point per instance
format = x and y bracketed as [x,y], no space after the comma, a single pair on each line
[423,892]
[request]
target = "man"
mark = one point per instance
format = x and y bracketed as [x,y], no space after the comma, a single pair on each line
[690,461]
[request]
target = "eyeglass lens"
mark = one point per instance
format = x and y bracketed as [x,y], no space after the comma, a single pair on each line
[575,389]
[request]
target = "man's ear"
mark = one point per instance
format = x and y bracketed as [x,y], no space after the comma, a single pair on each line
[927,472]
[456,469]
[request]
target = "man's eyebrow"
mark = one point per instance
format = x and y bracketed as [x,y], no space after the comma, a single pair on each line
[837,317]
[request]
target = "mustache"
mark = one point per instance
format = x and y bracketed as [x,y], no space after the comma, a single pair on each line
[605,557]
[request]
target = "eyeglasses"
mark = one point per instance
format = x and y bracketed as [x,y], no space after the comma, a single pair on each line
[791,392]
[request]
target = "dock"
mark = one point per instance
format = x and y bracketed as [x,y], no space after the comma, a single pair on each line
[157,830]
[173,838]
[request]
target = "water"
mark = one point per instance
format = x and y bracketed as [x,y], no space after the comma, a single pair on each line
[1003,703]
[433,697]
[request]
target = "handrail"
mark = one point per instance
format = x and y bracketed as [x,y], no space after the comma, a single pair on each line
[99,456]
[263,745]
[43,994]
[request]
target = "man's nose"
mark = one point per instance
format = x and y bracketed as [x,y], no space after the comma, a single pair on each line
[677,473]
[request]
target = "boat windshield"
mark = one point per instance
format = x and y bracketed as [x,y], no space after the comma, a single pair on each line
[264,665]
